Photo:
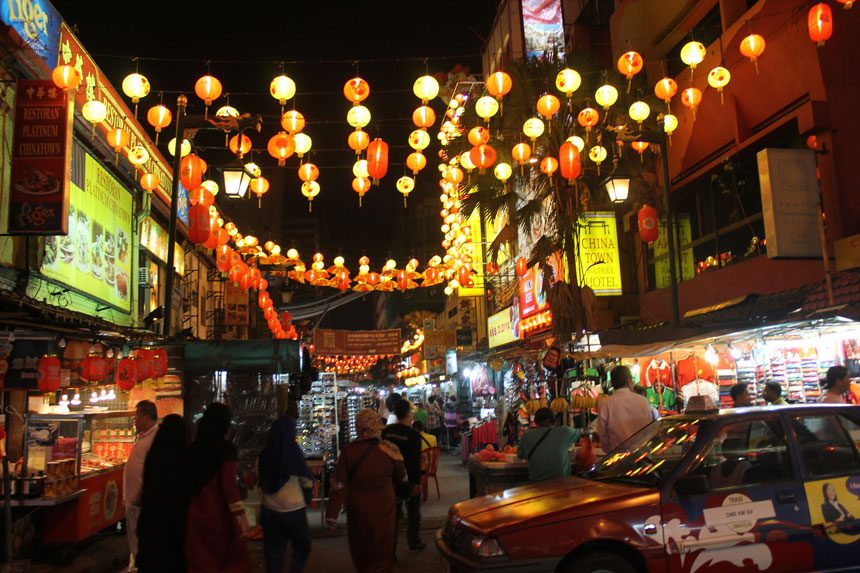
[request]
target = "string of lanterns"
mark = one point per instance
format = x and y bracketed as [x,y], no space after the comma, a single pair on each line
[348,364]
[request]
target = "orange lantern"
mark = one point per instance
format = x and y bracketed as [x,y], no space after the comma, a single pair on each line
[201,196]
[377,159]
[48,373]
[752,47]
[416,162]
[159,363]
[198,224]
[423,116]
[66,77]
[846,4]
[483,156]
[361,185]
[149,181]
[118,138]
[159,117]
[281,146]
[548,105]
[240,146]
[569,163]
[630,64]
[454,175]
[308,172]
[499,84]
[208,88]
[691,97]
[236,272]
[549,165]
[191,170]
[293,121]
[522,266]
[666,89]
[223,257]
[491,267]
[820,23]
[479,135]
[259,186]
[358,141]
[521,153]
[356,90]
[640,147]
[126,374]
[588,118]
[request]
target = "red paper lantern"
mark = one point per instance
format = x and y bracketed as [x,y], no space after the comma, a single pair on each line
[286,319]
[144,363]
[649,229]
[820,23]
[463,275]
[568,161]
[201,196]
[212,241]
[48,373]
[223,236]
[522,266]
[223,257]
[198,224]
[126,374]
[236,272]
[255,275]
[191,170]
[377,159]
[245,281]
[402,280]
[269,314]
[94,368]
[483,156]
[159,363]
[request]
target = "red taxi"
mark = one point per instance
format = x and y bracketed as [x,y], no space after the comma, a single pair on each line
[751,489]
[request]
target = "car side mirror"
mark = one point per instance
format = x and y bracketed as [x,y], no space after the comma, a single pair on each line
[692,484]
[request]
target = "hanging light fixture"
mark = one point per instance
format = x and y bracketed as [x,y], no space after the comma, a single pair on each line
[618,187]
[236,181]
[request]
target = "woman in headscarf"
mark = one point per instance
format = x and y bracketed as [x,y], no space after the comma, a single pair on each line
[164,501]
[284,475]
[366,474]
[216,515]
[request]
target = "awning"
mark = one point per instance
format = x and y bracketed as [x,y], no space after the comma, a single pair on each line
[271,356]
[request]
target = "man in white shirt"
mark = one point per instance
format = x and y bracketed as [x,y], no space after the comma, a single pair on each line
[146,425]
[622,414]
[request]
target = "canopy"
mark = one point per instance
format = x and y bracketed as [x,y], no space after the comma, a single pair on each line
[274,356]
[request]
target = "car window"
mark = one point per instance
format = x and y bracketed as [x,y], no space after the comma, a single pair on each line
[746,453]
[826,444]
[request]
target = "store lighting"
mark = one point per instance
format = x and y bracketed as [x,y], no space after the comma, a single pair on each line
[236,180]
[618,187]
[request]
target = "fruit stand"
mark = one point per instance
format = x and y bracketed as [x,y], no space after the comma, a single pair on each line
[491,471]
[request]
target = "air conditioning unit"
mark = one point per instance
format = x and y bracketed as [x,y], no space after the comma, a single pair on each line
[143,277]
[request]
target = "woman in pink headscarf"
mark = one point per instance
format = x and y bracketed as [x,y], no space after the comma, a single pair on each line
[364,480]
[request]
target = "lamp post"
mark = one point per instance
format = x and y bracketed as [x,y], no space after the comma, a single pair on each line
[181,101]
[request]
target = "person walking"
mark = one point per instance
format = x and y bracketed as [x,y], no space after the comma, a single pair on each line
[623,413]
[284,478]
[835,385]
[409,443]
[145,424]
[364,481]
[216,516]
[164,501]
[434,417]
[546,447]
[452,421]
[772,393]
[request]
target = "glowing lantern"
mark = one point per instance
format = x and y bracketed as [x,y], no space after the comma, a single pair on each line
[846,4]
[135,86]
[281,146]
[640,147]
[208,88]
[293,121]
[478,135]
[752,47]
[149,182]
[419,139]
[522,266]
[201,196]
[94,112]
[159,363]
[93,368]
[491,268]
[548,106]
[137,155]
[66,77]
[240,144]
[454,175]
[718,78]
[666,89]
[588,118]
[692,54]
[424,117]
[259,186]
[670,124]
[48,373]
[521,153]
[282,88]
[191,170]
[126,373]
[405,185]
[630,64]
[606,95]
[549,165]
[649,230]
[360,185]
[820,23]
[499,84]
[569,163]
[639,111]
[118,138]
[359,169]
[308,172]
[358,116]
[425,88]
[466,161]
[533,128]
[185,149]
[691,97]
[598,155]
[310,189]
[358,140]
[486,107]
[577,142]
[198,224]
[356,90]
[416,162]
[502,172]
[483,156]
[303,143]
[159,117]
[568,81]
[377,160]
[223,238]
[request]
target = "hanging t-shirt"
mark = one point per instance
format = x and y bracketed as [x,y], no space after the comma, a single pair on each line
[700,387]
[657,371]
[691,368]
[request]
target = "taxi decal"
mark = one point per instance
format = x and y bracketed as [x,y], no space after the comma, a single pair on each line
[834,507]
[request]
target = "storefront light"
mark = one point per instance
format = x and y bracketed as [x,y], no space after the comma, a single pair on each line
[236,180]
[618,187]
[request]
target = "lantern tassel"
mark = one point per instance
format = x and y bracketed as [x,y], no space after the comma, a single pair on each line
[259,201]
[404,201]
[359,200]
[721,97]
[629,82]
[755,63]
[310,206]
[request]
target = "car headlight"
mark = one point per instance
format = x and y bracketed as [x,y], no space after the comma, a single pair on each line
[487,547]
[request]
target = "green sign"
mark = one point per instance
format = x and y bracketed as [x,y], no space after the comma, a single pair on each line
[660,248]
[95,257]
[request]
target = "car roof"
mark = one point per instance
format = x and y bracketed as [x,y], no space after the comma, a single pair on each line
[727,413]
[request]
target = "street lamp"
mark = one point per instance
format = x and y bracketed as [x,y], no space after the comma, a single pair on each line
[236,180]
[618,187]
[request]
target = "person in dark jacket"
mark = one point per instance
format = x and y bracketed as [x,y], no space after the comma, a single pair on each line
[831,510]
[164,501]
[409,442]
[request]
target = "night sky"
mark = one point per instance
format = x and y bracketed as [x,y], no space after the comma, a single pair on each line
[319,44]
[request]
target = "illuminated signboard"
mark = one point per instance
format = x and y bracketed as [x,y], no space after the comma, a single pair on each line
[37,23]
[95,257]
[477,289]
[532,293]
[503,327]
[153,238]
[598,253]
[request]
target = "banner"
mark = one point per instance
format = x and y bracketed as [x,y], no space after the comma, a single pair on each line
[153,238]
[543,28]
[95,256]
[41,159]
[446,338]
[660,248]
[503,327]
[532,293]
[37,23]
[598,253]
[477,289]
[356,342]
[236,310]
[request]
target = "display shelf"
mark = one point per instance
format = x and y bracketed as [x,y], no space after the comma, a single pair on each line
[44,501]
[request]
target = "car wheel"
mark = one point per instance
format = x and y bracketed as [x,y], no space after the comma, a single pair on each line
[599,562]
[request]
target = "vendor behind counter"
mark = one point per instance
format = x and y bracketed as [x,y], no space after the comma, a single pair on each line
[546,447]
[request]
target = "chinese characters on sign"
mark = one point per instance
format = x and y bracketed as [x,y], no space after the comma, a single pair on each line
[356,342]
[598,265]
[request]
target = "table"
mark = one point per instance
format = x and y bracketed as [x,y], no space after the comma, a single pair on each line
[490,477]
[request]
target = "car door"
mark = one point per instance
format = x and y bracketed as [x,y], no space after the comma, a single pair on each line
[827,444]
[739,504]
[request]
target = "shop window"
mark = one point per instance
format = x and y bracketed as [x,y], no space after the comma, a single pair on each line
[826,444]
[747,453]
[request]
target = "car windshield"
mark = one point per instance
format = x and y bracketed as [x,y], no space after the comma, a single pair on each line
[649,455]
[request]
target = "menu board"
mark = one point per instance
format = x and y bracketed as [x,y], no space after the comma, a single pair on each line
[95,257]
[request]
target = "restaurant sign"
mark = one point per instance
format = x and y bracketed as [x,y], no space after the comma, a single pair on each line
[37,23]
[598,265]
[41,160]
[356,342]
[503,327]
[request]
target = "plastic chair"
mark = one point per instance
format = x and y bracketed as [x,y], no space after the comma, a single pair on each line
[433,464]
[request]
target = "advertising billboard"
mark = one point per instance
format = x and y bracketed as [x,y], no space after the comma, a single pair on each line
[503,327]
[37,23]
[543,27]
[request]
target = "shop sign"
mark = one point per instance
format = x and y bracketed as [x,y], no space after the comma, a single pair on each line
[446,338]
[477,289]
[543,27]
[451,361]
[790,202]
[236,309]
[41,159]
[464,337]
[22,363]
[503,327]
[356,342]
[660,248]
[95,256]
[182,205]
[847,253]
[532,293]
[95,86]
[37,23]
[598,253]
[153,238]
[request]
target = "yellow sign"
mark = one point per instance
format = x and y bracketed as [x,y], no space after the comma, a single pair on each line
[154,239]
[95,257]
[660,248]
[834,504]
[503,327]
[477,289]
[598,265]
[847,253]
